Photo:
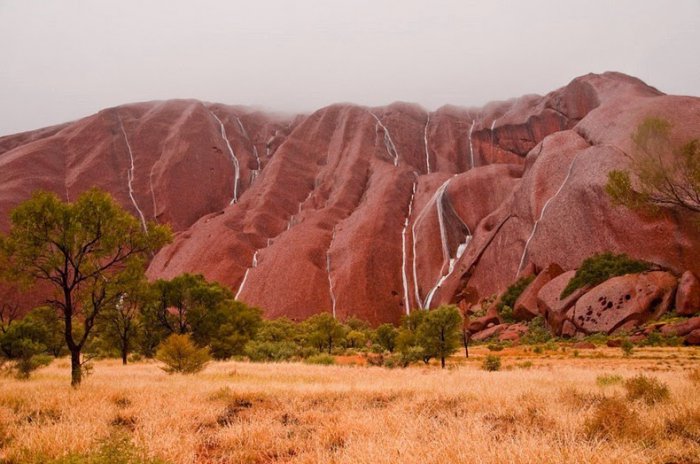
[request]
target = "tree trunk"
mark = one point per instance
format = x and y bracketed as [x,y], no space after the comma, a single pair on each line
[125,352]
[76,374]
[442,361]
[465,339]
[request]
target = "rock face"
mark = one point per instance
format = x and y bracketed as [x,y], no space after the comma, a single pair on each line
[688,295]
[624,302]
[526,305]
[371,212]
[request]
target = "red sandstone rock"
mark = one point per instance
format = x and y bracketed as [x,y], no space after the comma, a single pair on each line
[682,328]
[490,332]
[688,295]
[480,323]
[624,302]
[513,333]
[320,225]
[693,338]
[550,304]
[526,305]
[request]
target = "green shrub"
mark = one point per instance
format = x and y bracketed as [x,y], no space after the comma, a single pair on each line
[494,347]
[606,380]
[321,359]
[25,366]
[647,389]
[536,332]
[538,350]
[601,267]
[510,296]
[491,363]
[270,351]
[181,355]
[658,339]
[627,348]
[411,355]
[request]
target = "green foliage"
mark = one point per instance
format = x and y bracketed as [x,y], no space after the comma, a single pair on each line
[179,353]
[206,310]
[510,296]
[647,389]
[536,333]
[491,363]
[601,267]
[24,342]
[267,351]
[494,347]
[323,332]
[321,359]
[627,348]
[385,336]
[664,175]
[440,332]
[659,339]
[83,249]
[411,355]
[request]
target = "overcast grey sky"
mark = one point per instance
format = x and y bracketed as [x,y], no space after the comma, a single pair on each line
[61,60]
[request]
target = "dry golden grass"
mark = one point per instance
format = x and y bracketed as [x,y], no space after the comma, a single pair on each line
[554,411]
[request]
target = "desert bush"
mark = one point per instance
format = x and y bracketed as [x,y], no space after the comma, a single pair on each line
[536,333]
[26,365]
[601,267]
[612,418]
[411,355]
[606,380]
[270,351]
[494,347]
[627,348]
[321,359]
[647,389]
[181,355]
[686,425]
[538,349]
[658,339]
[491,363]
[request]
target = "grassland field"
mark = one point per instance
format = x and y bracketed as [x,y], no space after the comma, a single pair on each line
[556,407]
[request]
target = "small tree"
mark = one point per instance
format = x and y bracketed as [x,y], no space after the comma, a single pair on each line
[386,336]
[120,323]
[440,332]
[666,175]
[181,355]
[323,332]
[82,250]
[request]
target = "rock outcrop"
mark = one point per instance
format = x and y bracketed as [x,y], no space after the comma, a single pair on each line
[526,306]
[688,295]
[623,302]
[372,212]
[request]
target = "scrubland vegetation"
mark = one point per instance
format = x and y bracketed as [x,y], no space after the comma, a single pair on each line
[594,407]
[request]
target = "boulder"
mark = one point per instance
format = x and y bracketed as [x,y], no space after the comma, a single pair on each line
[480,323]
[614,343]
[681,329]
[512,333]
[490,332]
[688,295]
[550,304]
[624,302]
[693,338]
[526,306]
